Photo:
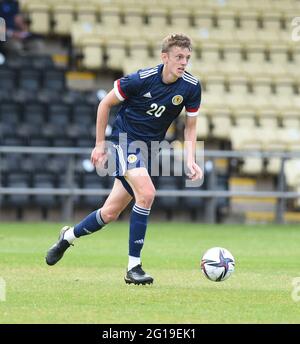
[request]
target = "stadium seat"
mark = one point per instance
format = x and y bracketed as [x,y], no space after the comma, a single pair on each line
[133,18]
[256,60]
[110,20]
[238,95]
[115,53]
[203,125]
[168,203]
[39,16]
[94,182]
[292,175]
[157,22]
[62,183]
[93,52]
[247,32]
[7,78]
[39,142]
[26,131]
[18,180]
[87,13]
[42,62]
[85,142]
[11,163]
[44,200]
[232,61]
[37,163]
[6,130]
[30,79]
[268,118]
[34,113]
[290,118]
[262,92]
[245,117]
[57,164]
[63,16]
[180,17]
[54,79]
[77,131]
[270,30]
[10,113]
[59,114]
[62,142]
[221,122]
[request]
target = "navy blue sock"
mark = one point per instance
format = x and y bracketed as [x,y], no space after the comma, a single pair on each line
[90,224]
[138,226]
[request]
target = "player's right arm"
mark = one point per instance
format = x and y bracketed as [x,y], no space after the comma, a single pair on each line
[98,155]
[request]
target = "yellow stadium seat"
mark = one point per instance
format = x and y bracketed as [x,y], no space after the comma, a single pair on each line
[39,15]
[268,118]
[245,117]
[291,118]
[116,53]
[221,122]
[134,22]
[87,13]
[248,30]
[202,125]
[92,50]
[63,16]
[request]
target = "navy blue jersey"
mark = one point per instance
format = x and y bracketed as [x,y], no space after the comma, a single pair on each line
[8,11]
[150,106]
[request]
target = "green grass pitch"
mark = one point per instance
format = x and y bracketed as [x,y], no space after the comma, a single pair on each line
[87,285]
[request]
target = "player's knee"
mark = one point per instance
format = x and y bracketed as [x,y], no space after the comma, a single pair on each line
[109,215]
[146,198]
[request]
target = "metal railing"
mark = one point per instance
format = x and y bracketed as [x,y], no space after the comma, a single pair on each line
[211,195]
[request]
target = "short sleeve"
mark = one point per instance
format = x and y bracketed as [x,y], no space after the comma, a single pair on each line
[193,103]
[126,86]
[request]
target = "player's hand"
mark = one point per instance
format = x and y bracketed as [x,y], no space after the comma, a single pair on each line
[195,172]
[99,157]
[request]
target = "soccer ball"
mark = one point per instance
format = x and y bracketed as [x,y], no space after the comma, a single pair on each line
[217,264]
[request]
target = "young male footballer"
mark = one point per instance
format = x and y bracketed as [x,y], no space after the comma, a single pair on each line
[152,99]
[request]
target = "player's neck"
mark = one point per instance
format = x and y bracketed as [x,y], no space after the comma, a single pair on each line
[167,76]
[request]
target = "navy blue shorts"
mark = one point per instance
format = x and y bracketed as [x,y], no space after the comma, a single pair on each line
[127,156]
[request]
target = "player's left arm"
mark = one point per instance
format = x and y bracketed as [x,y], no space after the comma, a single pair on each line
[190,132]
[190,137]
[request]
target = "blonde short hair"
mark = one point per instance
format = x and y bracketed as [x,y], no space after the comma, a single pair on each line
[176,40]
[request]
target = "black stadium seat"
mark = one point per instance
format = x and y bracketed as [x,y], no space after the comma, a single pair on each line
[34,113]
[44,200]
[59,114]
[168,183]
[94,182]
[9,113]
[54,79]
[30,79]
[84,114]
[18,180]
[42,62]
[7,79]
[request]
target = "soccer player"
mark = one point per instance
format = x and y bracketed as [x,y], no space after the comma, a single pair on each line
[151,99]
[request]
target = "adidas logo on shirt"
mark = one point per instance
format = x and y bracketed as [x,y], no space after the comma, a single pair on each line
[147,95]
